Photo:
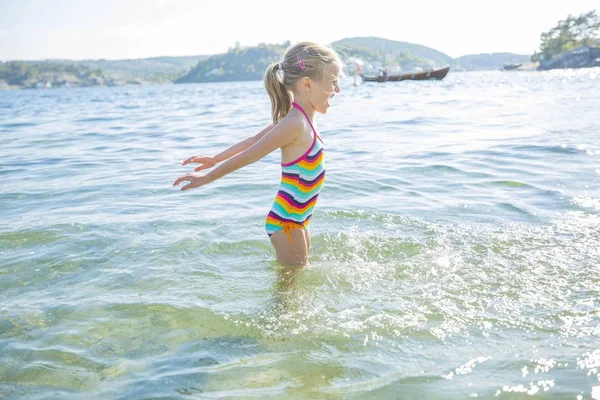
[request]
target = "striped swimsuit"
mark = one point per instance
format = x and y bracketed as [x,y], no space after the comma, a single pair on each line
[301,182]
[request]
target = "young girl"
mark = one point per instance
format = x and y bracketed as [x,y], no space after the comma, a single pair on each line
[300,85]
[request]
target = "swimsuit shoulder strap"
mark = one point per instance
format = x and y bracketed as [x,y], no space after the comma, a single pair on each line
[296,105]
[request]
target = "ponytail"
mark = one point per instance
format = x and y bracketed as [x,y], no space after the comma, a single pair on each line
[281,99]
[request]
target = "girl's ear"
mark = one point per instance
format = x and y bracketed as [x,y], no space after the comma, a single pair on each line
[305,84]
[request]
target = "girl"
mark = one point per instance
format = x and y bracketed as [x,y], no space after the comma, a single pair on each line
[300,85]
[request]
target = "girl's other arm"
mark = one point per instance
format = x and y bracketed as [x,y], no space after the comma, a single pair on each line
[284,133]
[208,161]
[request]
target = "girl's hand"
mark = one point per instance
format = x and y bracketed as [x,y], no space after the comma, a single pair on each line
[193,179]
[207,161]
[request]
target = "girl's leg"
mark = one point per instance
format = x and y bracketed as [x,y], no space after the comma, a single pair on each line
[291,254]
[307,235]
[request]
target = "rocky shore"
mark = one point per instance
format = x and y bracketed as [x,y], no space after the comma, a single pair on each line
[69,80]
[71,74]
[582,57]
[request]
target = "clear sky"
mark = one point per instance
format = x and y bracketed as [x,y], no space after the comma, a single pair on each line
[118,29]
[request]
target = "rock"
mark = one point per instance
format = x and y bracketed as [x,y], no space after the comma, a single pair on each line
[581,57]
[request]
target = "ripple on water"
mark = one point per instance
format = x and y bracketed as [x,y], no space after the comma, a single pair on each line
[454,252]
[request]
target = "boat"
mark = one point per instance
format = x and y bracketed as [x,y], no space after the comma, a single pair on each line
[511,67]
[437,74]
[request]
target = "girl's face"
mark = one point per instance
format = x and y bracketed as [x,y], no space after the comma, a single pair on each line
[325,89]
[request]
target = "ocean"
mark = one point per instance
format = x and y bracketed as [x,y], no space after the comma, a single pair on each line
[455,245]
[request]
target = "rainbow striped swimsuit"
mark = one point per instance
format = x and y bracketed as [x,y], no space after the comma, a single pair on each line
[301,182]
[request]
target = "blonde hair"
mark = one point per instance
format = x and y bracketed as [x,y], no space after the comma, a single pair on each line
[300,60]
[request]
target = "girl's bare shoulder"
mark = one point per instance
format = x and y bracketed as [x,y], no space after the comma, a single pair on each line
[295,121]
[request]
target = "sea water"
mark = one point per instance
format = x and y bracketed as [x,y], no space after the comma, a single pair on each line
[455,245]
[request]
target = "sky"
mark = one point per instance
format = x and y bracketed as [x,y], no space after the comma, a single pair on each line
[125,29]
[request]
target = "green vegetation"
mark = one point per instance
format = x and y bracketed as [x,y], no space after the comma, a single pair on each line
[155,69]
[29,75]
[249,63]
[238,64]
[69,73]
[575,31]
[244,63]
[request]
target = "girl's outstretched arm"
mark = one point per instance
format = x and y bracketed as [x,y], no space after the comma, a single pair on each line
[211,161]
[284,133]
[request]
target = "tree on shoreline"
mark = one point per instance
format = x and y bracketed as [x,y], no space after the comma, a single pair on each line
[570,33]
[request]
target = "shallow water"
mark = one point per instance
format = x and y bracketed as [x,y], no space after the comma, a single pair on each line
[456,245]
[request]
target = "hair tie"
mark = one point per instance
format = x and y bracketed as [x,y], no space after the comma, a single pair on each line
[280,66]
[300,62]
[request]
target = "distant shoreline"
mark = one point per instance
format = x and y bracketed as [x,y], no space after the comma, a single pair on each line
[243,64]
[238,64]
